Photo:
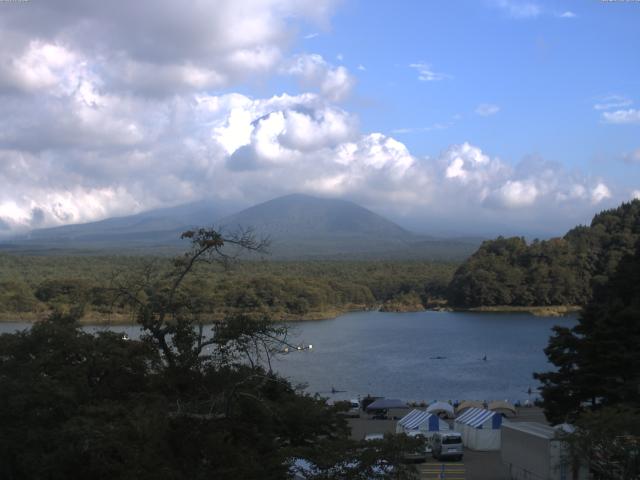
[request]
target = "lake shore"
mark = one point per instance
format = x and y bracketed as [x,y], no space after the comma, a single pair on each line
[539,311]
[118,318]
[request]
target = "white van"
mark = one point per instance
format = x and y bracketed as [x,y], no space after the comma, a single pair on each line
[447,445]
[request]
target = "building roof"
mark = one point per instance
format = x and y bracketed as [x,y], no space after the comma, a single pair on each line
[502,404]
[538,429]
[440,407]
[414,419]
[386,403]
[476,418]
[468,404]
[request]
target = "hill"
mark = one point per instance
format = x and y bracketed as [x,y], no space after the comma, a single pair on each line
[305,226]
[155,229]
[559,271]
[299,226]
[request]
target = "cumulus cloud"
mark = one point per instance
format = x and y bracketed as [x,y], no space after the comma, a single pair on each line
[334,82]
[635,194]
[426,72]
[567,14]
[487,109]
[599,193]
[152,47]
[110,114]
[622,116]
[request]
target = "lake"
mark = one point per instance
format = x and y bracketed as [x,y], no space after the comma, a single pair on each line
[400,354]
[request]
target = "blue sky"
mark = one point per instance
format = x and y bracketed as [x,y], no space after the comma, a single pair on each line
[467,117]
[545,72]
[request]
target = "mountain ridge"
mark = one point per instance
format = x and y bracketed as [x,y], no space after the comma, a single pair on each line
[299,226]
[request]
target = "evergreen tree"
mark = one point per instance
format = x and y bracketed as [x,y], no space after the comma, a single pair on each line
[598,360]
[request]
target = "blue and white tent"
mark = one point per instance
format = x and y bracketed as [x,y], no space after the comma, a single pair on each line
[424,422]
[480,429]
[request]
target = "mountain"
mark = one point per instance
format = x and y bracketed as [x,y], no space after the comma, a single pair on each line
[156,229]
[299,226]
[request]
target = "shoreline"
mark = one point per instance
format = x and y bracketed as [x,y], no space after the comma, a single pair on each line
[100,319]
[538,311]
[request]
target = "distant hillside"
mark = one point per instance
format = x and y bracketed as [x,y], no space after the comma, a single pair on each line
[154,229]
[299,226]
[560,271]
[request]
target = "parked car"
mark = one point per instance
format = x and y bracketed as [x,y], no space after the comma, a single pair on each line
[447,445]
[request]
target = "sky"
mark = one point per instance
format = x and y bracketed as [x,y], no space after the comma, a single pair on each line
[470,117]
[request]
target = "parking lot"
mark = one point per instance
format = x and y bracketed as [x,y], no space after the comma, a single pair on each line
[440,470]
[475,465]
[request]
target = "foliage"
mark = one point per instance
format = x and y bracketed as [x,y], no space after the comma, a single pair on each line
[185,402]
[597,381]
[609,440]
[560,271]
[284,290]
[598,360]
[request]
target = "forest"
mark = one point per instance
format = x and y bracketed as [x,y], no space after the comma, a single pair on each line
[559,271]
[33,286]
[502,272]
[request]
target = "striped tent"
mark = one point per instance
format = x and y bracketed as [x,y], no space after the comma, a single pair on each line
[480,429]
[422,421]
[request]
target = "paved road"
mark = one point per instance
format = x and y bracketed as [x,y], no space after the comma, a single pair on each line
[440,470]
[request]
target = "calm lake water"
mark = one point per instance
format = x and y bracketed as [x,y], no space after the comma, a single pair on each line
[393,354]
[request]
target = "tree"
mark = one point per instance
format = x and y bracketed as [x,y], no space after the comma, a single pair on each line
[597,381]
[559,271]
[187,401]
[598,360]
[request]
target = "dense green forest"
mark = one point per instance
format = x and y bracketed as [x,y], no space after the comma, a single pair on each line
[32,286]
[505,271]
[559,271]
[596,382]
[179,403]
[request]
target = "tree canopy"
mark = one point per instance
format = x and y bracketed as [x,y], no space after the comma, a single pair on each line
[597,381]
[560,271]
[187,401]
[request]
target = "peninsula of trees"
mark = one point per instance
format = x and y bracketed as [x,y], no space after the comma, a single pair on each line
[559,271]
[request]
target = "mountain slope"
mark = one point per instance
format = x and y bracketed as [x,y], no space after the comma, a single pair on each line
[299,226]
[154,228]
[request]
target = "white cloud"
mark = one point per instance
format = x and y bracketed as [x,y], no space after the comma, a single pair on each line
[519,8]
[487,109]
[94,128]
[335,83]
[515,193]
[622,116]
[609,102]
[361,67]
[427,74]
[567,14]
[599,193]
[635,195]
[311,35]
[155,47]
